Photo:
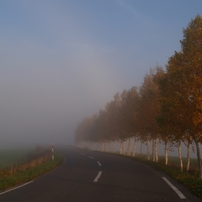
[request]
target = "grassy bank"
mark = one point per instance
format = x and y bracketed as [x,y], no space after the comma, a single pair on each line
[10,157]
[30,173]
[188,178]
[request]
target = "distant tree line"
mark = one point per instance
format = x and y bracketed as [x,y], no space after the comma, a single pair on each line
[166,108]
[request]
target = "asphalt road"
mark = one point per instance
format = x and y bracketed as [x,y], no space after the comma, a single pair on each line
[94,176]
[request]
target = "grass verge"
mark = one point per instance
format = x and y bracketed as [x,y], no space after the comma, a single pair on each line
[29,174]
[191,181]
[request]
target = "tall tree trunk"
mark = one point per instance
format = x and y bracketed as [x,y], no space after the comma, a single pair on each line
[153,150]
[90,145]
[156,151]
[124,151]
[121,146]
[100,146]
[107,146]
[188,156]
[180,155]
[134,147]
[103,146]
[141,148]
[128,149]
[198,158]
[148,149]
[166,152]
[113,150]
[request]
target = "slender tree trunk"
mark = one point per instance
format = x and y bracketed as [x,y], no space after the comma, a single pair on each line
[120,147]
[128,149]
[103,146]
[99,146]
[156,151]
[107,147]
[141,148]
[110,146]
[166,152]
[198,158]
[153,150]
[113,149]
[180,155]
[124,151]
[148,149]
[134,147]
[188,156]
[90,145]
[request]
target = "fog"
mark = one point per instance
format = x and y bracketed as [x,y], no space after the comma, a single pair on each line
[42,101]
[63,60]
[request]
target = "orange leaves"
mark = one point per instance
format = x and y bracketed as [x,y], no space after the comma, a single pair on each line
[181,87]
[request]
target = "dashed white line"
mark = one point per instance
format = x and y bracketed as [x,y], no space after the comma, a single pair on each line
[98,176]
[16,188]
[174,188]
[99,173]
[99,163]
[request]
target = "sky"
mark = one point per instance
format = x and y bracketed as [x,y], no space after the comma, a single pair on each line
[63,60]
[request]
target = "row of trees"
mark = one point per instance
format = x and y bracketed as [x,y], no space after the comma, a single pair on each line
[167,107]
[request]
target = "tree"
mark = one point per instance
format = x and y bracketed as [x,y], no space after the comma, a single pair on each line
[181,88]
[148,110]
[128,111]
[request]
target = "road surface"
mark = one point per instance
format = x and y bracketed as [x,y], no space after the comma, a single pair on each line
[94,176]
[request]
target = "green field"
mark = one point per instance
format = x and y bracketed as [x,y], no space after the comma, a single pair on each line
[9,157]
[8,180]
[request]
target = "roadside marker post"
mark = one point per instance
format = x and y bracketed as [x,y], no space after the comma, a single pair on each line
[52,152]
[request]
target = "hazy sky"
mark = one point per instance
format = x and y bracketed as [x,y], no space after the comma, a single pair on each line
[63,60]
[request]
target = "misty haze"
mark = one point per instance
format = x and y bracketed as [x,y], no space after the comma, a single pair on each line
[62,61]
[100,100]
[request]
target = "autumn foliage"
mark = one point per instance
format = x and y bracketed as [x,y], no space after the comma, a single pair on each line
[167,106]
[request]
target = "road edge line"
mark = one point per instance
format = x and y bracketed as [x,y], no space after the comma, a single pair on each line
[12,189]
[174,188]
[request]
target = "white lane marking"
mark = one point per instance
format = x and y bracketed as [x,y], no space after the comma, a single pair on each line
[98,176]
[99,163]
[91,157]
[16,187]
[174,188]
